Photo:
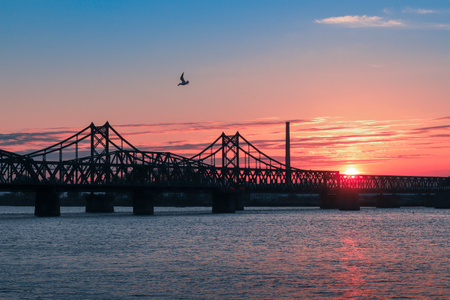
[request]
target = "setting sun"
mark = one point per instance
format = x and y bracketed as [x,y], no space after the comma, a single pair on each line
[351,171]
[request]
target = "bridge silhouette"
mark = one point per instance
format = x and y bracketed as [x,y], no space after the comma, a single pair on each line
[99,159]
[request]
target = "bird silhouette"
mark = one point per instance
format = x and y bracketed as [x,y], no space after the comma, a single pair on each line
[183,82]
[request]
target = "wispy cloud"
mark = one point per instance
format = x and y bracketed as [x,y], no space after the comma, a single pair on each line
[19,139]
[361,21]
[216,125]
[443,118]
[440,26]
[426,129]
[421,11]
[388,11]
[364,21]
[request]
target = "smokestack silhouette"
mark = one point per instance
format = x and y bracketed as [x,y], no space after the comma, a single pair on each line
[288,147]
[288,155]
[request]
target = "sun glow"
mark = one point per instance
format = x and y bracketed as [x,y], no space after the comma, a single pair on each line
[351,171]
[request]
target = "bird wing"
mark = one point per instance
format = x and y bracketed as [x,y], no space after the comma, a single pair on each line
[182,77]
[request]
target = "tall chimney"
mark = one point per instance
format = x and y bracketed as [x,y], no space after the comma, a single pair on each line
[288,147]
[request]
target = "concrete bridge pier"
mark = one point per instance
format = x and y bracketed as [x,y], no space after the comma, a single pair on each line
[428,200]
[143,202]
[99,203]
[240,200]
[47,203]
[348,199]
[223,202]
[388,201]
[344,199]
[442,200]
[328,201]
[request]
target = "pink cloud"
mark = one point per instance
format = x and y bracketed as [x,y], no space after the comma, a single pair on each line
[361,21]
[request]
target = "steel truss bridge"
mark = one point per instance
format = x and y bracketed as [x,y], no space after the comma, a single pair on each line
[99,158]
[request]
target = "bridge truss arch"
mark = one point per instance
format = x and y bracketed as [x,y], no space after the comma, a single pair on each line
[99,157]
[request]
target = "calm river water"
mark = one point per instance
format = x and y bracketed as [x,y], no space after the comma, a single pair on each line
[259,253]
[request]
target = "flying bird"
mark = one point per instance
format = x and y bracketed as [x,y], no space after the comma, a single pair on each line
[183,82]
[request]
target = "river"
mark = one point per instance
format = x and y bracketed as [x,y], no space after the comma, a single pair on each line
[259,253]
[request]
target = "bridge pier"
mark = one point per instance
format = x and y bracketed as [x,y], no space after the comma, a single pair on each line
[388,201]
[328,201]
[428,200]
[344,199]
[442,200]
[47,203]
[143,202]
[240,200]
[348,199]
[96,203]
[223,202]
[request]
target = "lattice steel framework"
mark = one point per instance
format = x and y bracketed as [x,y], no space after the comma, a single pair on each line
[98,156]
[245,167]
[396,184]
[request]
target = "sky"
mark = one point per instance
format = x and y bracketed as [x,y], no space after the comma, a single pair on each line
[364,84]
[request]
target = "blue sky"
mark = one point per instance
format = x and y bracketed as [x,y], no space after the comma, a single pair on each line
[69,63]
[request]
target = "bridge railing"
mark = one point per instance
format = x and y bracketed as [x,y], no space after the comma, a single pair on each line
[395,184]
